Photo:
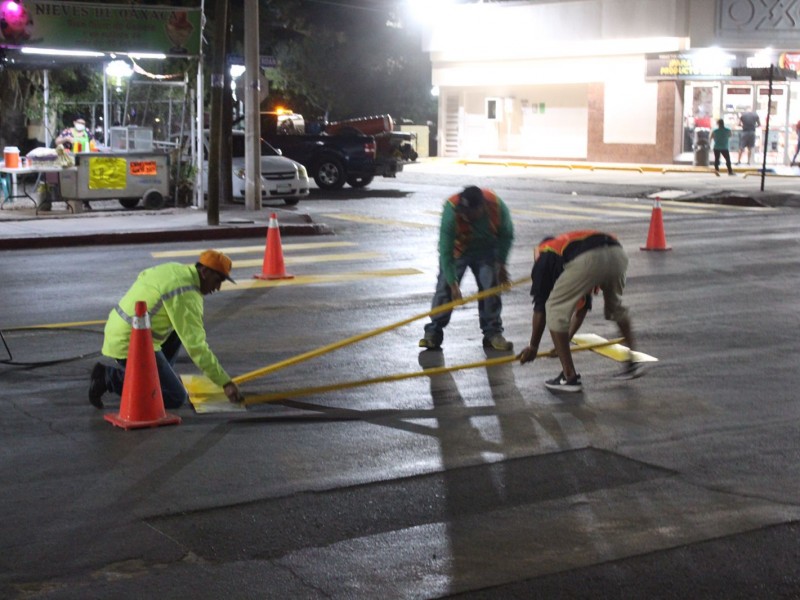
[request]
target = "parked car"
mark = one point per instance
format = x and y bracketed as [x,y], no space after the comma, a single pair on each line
[281,177]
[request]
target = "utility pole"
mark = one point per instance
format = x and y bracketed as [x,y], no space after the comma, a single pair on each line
[217,85]
[252,106]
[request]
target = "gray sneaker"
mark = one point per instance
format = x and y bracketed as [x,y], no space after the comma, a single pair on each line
[631,370]
[497,342]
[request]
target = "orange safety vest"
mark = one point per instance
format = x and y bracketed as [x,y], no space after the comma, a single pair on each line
[464,227]
[559,243]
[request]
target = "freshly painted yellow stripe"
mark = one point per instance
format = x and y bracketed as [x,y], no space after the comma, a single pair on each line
[249,249]
[594,211]
[55,325]
[548,215]
[312,258]
[378,221]
[672,209]
[242,283]
[616,352]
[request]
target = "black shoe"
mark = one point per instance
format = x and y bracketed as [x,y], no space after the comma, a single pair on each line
[430,342]
[562,384]
[97,386]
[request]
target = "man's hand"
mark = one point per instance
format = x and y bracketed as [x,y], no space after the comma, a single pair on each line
[455,291]
[233,393]
[502,276]
[527,355]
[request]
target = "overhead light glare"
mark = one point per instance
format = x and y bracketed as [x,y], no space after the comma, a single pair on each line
[56,52]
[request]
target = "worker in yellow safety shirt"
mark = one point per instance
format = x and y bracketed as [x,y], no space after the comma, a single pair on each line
[174,296]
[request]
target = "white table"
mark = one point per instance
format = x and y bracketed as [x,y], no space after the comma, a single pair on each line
[14,173]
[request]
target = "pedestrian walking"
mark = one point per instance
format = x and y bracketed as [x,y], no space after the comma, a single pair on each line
[174,295]
[721,137]
[566,268]
[476,233]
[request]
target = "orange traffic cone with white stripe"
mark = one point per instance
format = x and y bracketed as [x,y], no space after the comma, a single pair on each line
[656,239]
[273,267]
[142,404]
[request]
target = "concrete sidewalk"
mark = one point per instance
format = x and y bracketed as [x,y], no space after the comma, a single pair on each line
[109,223]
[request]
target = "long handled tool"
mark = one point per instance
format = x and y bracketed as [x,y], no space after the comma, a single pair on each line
[492,362]
[362,336]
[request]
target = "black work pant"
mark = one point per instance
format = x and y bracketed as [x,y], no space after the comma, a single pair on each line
[727,155]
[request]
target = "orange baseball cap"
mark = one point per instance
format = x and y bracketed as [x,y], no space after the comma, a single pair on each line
[216,260]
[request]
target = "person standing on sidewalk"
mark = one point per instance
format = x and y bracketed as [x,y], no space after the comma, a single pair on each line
[722,137]
[174,296]
[476,232]
[749,121]
[566,268]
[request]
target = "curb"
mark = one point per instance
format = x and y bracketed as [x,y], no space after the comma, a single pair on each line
[149,237]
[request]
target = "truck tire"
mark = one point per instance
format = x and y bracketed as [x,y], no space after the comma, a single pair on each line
[329,173]
[154,200]
[360,181]
[129,202]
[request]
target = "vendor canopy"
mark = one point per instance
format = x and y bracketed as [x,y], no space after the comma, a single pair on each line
[131,29]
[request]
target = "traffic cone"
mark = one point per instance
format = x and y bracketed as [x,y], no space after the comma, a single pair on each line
[142,404]
[656,240]
[273,267]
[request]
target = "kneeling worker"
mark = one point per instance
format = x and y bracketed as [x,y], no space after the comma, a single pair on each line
[174,296]
[565,269]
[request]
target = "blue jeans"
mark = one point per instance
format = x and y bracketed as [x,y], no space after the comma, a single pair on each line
[172,390]
[485,271]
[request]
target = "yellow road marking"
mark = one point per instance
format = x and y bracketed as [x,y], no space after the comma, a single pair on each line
[379,221]
[312,279]
[547,215]
[55,325]
[314,258]
[715,206]
[673,209]
[249,249]
[616,352]
[594,211]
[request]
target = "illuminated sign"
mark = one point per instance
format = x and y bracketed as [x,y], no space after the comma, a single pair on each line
[693,65]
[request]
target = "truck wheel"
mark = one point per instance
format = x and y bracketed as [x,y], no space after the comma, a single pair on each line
[360,182]
[129,202]
[329,174]
[154,200]
[291,201]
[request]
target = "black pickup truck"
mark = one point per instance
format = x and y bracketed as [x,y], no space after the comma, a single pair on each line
[332,160]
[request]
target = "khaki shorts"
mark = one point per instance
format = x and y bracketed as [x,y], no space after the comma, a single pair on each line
[602,267]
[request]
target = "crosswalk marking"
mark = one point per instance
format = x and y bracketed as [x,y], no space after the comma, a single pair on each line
[546,215]
[379,221]
[669,208]
[312,279]
[311,258]
[249,249]
[594,211]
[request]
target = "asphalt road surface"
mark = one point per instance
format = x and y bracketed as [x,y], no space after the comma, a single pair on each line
[478,483]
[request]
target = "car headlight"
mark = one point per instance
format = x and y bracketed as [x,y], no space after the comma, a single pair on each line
[239,173]
[301,170]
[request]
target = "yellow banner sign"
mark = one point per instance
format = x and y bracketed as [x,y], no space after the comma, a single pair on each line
[107,173]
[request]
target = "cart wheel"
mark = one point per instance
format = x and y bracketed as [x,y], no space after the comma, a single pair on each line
[129,202]
[154,200]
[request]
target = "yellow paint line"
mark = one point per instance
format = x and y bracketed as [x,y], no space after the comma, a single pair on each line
[548,215]
[672,209]
[594,211]
[249,249]
[715,206]
[312,279]
[315,258]
[378,221]
[55,325]
[616,352]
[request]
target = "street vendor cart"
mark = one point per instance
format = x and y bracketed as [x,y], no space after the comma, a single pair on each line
[130,177]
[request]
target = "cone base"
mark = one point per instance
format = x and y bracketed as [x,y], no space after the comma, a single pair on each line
[265,276]
[119,421]
[656,249]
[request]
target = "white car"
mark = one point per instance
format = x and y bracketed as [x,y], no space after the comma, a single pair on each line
[281,177]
